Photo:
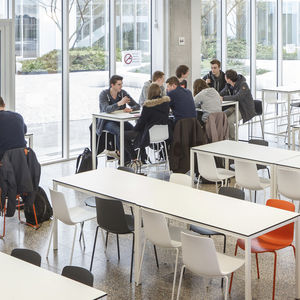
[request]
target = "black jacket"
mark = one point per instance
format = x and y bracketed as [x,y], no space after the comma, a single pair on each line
[240,92]
[155,112]
[218,83]
[19,173]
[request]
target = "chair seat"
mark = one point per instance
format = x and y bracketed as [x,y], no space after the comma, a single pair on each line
[175,234]
[264,182]
[229,264]
[204,231]
[81,214]
[224,173]
[295,104]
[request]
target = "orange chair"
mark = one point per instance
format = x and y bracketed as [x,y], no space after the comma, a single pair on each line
[271,241]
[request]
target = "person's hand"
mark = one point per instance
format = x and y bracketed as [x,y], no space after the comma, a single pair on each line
[207,81]
[123,101]
[127,109]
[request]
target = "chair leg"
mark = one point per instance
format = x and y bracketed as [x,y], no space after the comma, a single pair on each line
[156,258]
[118,246]
[51,235]
[132,252]
[142,258]
[226,287]
[180,281]
[257,265]
[82,235]
[274,276]
[217,187]
[254,196]
[106,240]
[224,251]
[293,250]
[175,271]
[235,252]
[269,173]
[95,240]
[75,231]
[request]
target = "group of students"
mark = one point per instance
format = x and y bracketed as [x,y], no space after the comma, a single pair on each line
[157,102]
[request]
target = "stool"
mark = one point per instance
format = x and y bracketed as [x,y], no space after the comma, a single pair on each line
[294,129]
[106,146]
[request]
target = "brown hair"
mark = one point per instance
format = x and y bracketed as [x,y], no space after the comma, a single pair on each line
[157,74]
[2,104]
[232,75]
[114,79]
[173,80]
[154,91]
[199,85]
[216,62]
[181,70]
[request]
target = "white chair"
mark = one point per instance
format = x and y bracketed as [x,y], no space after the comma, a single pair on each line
[287,184]
[246,176]
[208,170]
[182,179]
[200,256]
[157,232]
[69,216]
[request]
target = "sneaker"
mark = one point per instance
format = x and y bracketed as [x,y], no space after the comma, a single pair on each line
[113,154]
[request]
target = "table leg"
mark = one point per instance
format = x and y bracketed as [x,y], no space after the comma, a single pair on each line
[137,243]
[55,232]
[94,143]
[122,143]
[192,165]
[248,269]
[297,244]
[263,114]
[273,187]
[237,121]
[289,120]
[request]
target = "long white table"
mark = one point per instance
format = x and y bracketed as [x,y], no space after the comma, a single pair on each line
[117,116]
[223,214]
[285,90]
[22,280]
[251,152]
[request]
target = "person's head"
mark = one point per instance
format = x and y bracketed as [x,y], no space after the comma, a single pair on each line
[215,66]
[154,91]
[2,103]
[116,82]
[182,72]
[172,83]
[199,85]
[158,77]
[231,77]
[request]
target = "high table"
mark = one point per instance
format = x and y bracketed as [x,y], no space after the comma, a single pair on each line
[22,280]
[212,211]
[255,153]
[117,116]
[285,90]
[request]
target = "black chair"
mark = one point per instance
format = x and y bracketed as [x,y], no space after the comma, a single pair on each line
[232,192]
[258,112]
[79,274]
[126,169]
[27,255]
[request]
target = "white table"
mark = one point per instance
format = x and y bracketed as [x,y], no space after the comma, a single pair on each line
[29,136]
[251,152]
[286,90]
[22,280]
[117,116]
[216,212]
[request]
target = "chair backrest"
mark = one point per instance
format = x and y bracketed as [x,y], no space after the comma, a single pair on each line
[79,274]
[60,208]
[246,174]
[287,183]
[27,255]
[199,254]
[283,234]
[126,169]
[158,133]
[181,179]
[232,192]
[258,107]
[111,216]
[156,229]
[207,166]
[258,142]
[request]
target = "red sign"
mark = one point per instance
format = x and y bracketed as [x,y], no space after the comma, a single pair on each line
[128,59]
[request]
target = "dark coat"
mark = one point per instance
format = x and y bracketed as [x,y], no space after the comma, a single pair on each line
[187,133]
[240,92]
[216,127]
[218,83]
[155,112]
[19,173]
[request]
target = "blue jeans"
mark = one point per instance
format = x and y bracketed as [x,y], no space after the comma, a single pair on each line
[114,128]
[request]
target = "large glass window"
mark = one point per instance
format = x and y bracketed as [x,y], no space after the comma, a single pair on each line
[38,73]
[89,64]
[133,44]
[210,33]
[3,9]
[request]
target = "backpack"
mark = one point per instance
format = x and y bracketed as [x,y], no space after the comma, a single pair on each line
[43,208]
[84,161]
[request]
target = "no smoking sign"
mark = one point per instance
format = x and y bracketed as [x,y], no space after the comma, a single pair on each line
[131,58]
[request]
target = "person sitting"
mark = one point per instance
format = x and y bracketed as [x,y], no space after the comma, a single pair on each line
[182,73]
[216,77]
[158,77]
[155,112]
[12,130]
[236,89]
[182,101]
[208,98]
[113,99]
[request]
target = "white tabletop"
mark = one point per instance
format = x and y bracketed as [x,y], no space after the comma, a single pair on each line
[293,162]
[283,89]
[231,215]
[252,152]
[119,115]
[22,280]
